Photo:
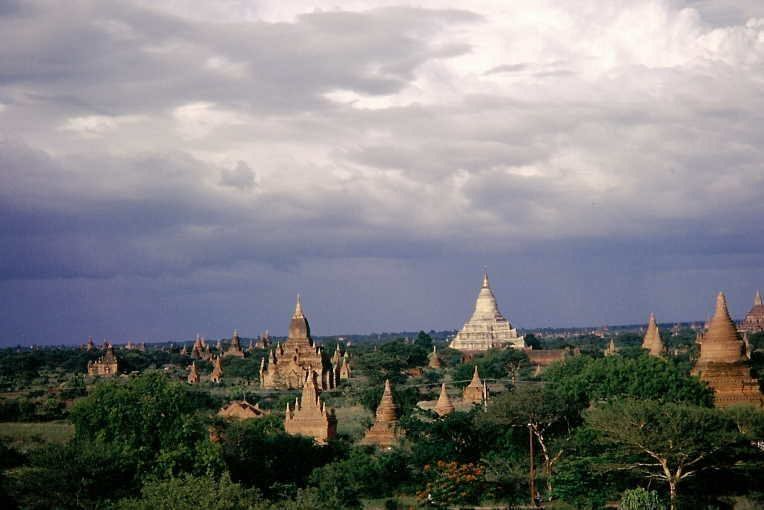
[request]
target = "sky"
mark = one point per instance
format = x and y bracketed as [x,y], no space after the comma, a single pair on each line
[183,166]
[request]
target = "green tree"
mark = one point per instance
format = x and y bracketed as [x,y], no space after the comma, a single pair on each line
[540,409]
[664,441]
[194,492]
[583,380]
[640,499]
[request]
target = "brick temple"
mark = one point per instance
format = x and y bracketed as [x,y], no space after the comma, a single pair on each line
[385,431]
[310,417]
[652,340]
[289,365]
[723,363]
[754,319]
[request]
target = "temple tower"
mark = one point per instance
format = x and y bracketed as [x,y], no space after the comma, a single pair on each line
[193,375]
[107,365]
[385,432]
[487,328]
[434,360]
[289,365]
[444,405]
[474,392]
[217,371]
[722,362]
[754,319]
[235,348]
[310,416]
[652,340]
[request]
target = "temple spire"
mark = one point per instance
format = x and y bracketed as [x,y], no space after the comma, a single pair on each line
[444,405]
[486,285]
[652,340]
[757,299]
[298,309]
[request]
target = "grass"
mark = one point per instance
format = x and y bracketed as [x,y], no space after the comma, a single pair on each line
[25,435]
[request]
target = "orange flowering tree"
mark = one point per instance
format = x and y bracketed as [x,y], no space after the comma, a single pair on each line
[452,482]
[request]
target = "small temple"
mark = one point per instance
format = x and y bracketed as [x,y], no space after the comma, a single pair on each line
[652,340]
[310,416]
[235,348]
[107,365]
[201,350]
[90,344]
[487,328]
[264,341]
[217,371]
[345,371]
[754,319]
[476,391]
[289,365]
[433,360]
[723,364]
[385,431]
[444,405]
[241,410]
[193,374]
[611,349]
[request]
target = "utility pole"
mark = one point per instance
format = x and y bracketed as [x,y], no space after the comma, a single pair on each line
[533,465]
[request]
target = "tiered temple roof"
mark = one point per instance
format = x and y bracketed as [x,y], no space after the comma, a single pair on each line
[235,348]
[652,340]
[754,319]
[345,371]
[90,344]
[242,410]
[433,359]
[107,365]
[289,365]
[444,405]
[475,392]
[722,362]
[310,417]
[611,349]
[487,328]
[385,432]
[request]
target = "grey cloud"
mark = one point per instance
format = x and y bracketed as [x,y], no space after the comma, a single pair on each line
[242,177]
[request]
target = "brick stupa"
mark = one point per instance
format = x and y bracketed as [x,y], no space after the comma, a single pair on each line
[475,391]
[444,405]
[385,432]
[652,340]
[217,371]
[241,410]
[193,375]
[310,417]
[754,319]
[433,360]
[487,328]
[723,364]
[289,365]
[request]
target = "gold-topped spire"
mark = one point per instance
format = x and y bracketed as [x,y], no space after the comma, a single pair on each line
[486,285]
[298,309]
[757,299]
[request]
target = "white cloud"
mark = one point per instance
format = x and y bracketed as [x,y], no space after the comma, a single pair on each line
[199,119]
[92,126]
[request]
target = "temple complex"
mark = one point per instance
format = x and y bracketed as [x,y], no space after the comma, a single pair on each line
[433,360]
[264,341]
[310,416]
[201,350]
[652,340]
[242,410]
[476,390]
[754,319]
[217,371]
[487,328]
[723,364]
[444,405]
[106,365]
[611,349]
[289,365]
[385,432]
[193,375]
[235,348]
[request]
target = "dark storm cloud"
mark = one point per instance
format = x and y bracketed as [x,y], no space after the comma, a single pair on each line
[164,170]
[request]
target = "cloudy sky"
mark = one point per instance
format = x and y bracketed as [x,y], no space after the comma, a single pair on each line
[190,166]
